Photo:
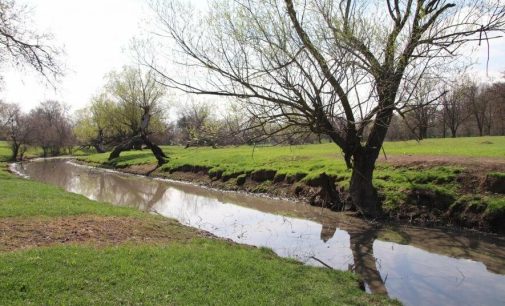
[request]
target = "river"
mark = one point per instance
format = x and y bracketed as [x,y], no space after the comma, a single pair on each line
[418,266]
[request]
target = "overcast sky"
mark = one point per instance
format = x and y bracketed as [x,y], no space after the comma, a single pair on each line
[95,35]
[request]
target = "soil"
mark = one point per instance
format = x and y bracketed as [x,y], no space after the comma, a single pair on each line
[480,165]
[17,233]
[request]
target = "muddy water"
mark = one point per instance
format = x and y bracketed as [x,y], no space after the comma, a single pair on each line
[415,265]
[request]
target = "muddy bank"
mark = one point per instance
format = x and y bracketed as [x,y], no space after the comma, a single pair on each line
[424,207]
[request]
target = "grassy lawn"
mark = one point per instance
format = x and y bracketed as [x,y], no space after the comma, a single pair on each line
[61,248]
[487,146]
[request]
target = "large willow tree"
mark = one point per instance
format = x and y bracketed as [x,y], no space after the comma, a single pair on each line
[139,98]
[340,68]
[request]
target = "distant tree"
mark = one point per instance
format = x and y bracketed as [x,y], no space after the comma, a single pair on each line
[51,128]
[476,104]
[140,98]
[419,114]
[498,106]
[197,125]
[453,109]
[15,127]
[21,45]
[97,125]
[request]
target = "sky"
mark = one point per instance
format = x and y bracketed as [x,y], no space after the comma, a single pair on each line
[95,35]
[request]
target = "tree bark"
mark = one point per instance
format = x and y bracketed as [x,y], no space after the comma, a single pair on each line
[363,193]
[157,152]
[15,151]
[99,144]
[453,133]
[127,145]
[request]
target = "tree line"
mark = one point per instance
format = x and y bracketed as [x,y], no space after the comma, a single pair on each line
[114,117]
[467,108]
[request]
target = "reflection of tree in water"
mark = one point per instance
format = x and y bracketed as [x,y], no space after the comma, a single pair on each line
[365,263]
[328,231]
[156,197]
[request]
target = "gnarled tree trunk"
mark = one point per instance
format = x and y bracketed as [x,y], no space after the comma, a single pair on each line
[139,139]
[99,143]
[363,193]
[15,150]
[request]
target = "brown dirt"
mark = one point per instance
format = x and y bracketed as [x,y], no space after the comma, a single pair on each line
[17,233]
[141,169]
[478,164]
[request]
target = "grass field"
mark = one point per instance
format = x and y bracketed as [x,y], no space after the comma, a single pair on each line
[61,248]
[487,146]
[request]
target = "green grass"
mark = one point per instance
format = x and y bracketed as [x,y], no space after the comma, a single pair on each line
[308,159]
[487,146]
[5,151]
[202,272]
[195,271]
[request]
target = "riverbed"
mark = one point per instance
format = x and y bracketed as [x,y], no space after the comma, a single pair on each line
[418,266]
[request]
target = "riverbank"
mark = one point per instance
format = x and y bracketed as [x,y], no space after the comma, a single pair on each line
[417,183]
[59,247]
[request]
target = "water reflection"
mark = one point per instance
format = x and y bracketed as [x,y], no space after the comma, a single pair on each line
[418,266]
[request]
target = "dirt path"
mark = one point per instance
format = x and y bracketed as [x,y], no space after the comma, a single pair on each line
[477,164]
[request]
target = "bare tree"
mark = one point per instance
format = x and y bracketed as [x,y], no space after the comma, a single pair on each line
[51,128]
[141,97]
[339,68]
[20,45]
[475,104]
[453,109]
[498,108]
[15,128]
[419,115]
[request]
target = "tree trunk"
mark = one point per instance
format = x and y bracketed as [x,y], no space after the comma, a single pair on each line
[142,138]
[158,153]
[15,151]
[127,145]
[99,147]
[453,133]
[363,193]
[423,132]
[99,143]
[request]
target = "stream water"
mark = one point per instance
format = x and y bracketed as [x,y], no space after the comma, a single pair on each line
[418,266]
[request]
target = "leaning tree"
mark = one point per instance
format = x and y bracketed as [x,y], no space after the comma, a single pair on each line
[140,98]
[339,68]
